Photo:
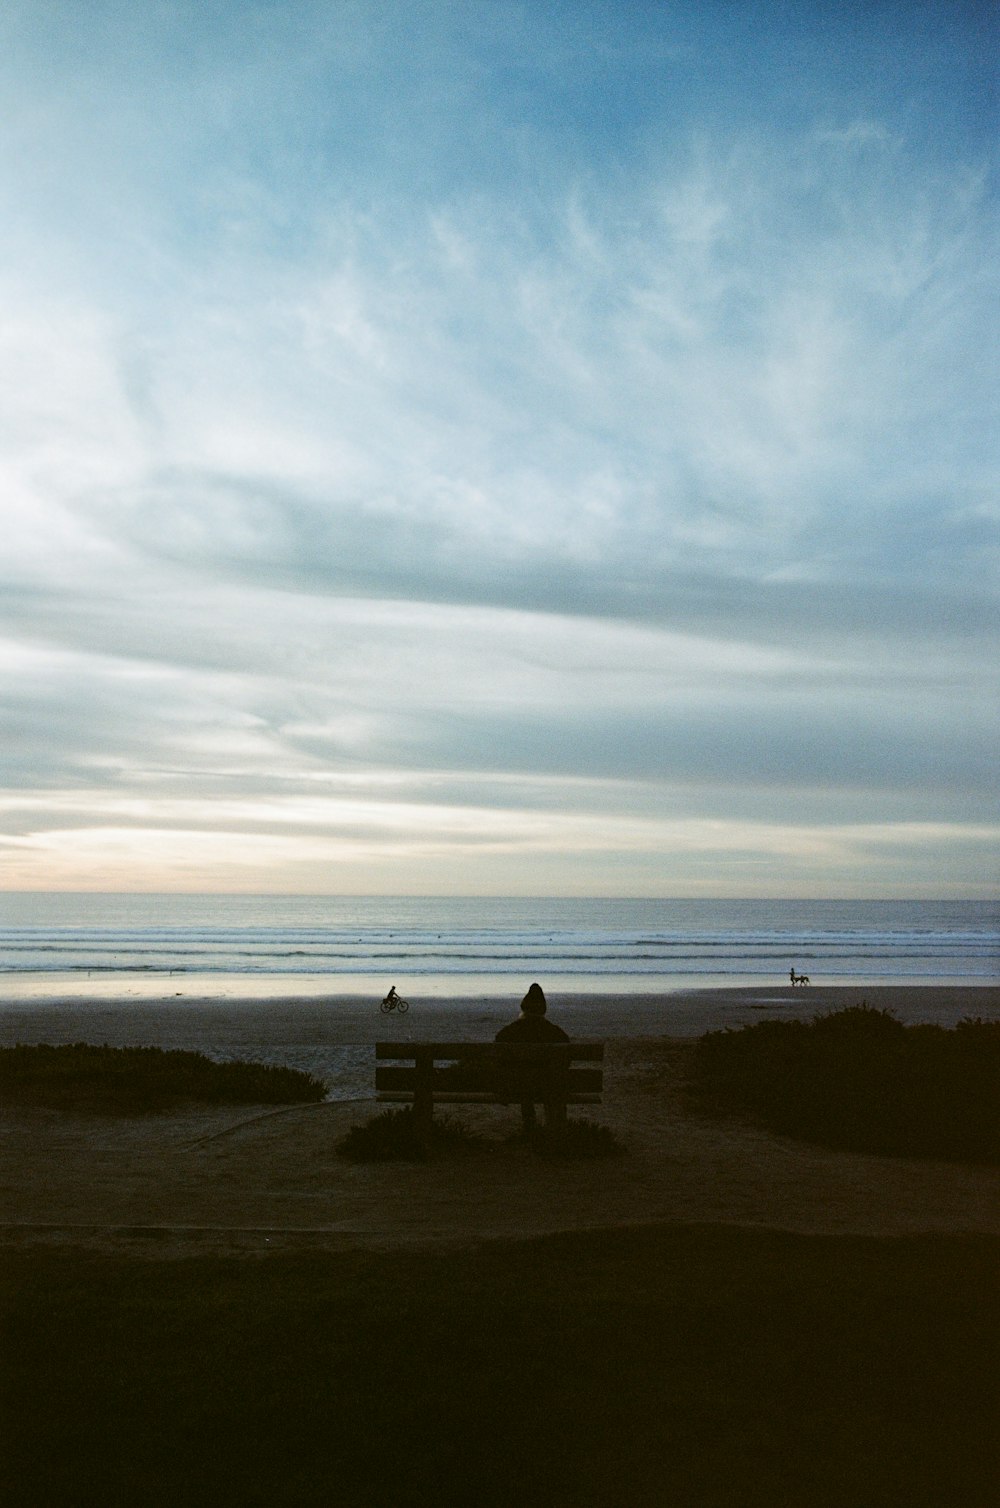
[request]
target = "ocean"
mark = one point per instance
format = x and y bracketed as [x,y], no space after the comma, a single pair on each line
[59,945]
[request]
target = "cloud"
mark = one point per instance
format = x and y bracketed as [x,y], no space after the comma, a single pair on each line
[860,133]
[420,426]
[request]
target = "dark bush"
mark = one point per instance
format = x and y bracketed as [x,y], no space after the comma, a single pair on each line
[859,1022]
[86,1078]
[391,1136]
[576,1139]
[860,1080]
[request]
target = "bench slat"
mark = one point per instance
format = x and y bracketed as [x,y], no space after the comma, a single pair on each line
[487,1073]
[577,1051]
[443,1080]
[472,1097]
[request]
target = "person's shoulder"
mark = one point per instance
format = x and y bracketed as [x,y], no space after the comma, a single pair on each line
[514,1031]
[531,1029]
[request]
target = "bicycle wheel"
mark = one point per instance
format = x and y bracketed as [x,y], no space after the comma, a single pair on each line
[386,1007]
[402,1006]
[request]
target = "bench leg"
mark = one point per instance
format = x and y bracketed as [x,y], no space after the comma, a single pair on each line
[554,1112]
[423,1099]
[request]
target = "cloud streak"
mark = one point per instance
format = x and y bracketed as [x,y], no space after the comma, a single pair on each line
[489,413]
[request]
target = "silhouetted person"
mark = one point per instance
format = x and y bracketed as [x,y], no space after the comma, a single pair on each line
[531,1026]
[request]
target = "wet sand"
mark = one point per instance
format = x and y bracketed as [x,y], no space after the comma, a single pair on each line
[213,1022]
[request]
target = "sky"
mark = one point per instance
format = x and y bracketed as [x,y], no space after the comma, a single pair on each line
[499,448]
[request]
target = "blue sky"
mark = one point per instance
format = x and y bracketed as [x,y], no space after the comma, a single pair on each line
[499,448]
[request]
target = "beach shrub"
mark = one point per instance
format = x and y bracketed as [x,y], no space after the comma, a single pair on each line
[857,1079]
[391,1136]
[84,1077]
[575,1140]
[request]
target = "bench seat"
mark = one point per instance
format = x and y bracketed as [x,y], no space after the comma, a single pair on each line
[424,1074]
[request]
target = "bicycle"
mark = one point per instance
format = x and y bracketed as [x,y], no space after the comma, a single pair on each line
[394,1002]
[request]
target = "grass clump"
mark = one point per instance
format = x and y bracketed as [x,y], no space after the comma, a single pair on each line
[392,1136]
[85,1078]
[858,1080]
[575,1140]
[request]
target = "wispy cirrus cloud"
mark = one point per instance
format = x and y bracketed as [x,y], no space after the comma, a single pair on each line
[491,407]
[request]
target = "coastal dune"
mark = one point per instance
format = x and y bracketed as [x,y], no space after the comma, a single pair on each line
[210,1306]
[259,1179]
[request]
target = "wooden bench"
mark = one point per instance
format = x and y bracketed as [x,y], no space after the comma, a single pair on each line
[425,1074]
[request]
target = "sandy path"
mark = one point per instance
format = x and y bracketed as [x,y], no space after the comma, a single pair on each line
[259,1181]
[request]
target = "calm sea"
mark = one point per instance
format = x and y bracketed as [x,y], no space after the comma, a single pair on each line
[230,946]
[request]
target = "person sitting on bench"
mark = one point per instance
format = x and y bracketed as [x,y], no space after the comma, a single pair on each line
[532,1026]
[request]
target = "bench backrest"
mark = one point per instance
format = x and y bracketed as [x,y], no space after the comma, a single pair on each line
[459,1072]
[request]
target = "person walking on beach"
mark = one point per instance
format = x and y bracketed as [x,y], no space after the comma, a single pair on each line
[532,1026]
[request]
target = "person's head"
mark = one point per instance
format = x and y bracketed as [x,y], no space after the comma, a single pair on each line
[533,1003]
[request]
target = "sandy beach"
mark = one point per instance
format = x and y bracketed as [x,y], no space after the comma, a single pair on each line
[259,1179]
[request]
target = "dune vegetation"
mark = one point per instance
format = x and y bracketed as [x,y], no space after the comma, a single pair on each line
[391,1136]
[90,1079]
[858,1080]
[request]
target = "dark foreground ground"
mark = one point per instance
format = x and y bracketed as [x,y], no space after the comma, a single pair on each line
[675,1366]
